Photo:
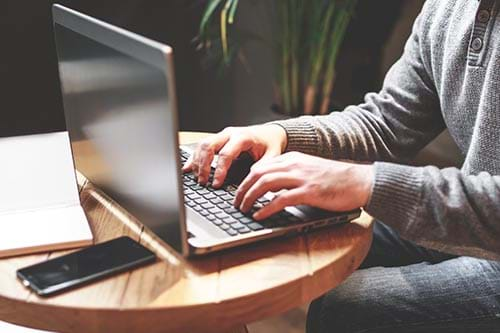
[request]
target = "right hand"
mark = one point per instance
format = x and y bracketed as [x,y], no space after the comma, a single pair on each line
[260,141]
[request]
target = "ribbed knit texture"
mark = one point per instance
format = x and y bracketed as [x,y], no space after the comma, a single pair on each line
[396,190]
[443,80]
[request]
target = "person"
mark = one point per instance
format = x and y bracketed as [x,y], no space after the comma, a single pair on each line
[433,262]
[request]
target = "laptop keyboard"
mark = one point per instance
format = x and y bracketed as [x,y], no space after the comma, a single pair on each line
[216,206]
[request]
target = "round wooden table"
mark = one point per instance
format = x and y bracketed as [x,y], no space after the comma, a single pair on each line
[217,293]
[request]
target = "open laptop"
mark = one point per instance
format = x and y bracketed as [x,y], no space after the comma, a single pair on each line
[120,106]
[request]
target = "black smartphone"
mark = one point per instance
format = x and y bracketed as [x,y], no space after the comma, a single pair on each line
[84,266]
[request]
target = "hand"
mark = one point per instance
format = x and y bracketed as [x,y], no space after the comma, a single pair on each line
[261,142]
[309,180]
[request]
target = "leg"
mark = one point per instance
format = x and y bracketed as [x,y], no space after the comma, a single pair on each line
[385,296]
[457,295]
[389,250]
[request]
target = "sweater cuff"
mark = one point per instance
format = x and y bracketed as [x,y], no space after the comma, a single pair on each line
[301,136]
[396,195]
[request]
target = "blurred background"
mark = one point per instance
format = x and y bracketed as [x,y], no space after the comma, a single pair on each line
[209,98]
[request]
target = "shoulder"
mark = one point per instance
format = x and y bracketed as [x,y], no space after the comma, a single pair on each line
[439,16]
[443,25]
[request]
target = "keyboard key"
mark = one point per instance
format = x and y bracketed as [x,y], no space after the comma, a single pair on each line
[196,187]
[263,200]
[231,188]
[193,196]
[227,197]
[204,213]
[214,210]
[232,232]
[211,217]
[237,215]
[257,206]
[198,208]
[221,215]
[210,196]
[224,205]
[229,220]
[245,219]
[255,226]
[231,210]
[191,203]
[216,201]
[237,226]
[200,201]
[224,227]
[207,205]
[244,230]
[217,222]
[203,191]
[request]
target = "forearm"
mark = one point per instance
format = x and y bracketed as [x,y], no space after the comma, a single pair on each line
[440,209]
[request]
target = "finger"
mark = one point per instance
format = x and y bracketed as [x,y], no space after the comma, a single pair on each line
[204,155]
[269,182]
[227,155]
[258,170]
[188,166]
[204,166]
[292,197]
[195,163]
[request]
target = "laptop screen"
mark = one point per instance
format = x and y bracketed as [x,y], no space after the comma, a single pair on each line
[122,120]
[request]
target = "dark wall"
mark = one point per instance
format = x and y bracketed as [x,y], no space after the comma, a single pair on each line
[29,90]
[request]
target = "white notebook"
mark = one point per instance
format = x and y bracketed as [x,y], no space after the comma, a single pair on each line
[39,202]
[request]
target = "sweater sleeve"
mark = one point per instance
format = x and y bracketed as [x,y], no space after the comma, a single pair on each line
[391,125]
[448,209]
[445,210]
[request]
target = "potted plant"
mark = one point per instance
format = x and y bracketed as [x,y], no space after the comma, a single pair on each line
[307,39]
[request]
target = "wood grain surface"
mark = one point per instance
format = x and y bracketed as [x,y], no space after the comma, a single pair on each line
[215,293]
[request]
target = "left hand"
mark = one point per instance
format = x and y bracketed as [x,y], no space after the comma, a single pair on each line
[309,180]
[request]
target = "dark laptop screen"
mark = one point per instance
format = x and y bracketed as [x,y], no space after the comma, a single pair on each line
[122,122]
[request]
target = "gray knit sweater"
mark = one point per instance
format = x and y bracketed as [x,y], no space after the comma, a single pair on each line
[448,77]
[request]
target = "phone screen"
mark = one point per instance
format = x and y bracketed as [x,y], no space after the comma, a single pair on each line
[85,265]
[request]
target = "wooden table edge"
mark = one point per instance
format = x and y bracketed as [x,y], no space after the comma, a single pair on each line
[106,317]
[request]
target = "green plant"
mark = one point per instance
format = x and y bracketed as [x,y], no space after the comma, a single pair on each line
[307,41]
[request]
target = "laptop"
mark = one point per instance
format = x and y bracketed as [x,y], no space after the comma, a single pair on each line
[120,107]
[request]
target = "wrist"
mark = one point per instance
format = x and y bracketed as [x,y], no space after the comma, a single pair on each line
[278,132]
[364,179]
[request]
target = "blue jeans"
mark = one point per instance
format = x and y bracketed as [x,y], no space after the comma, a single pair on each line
[402,287]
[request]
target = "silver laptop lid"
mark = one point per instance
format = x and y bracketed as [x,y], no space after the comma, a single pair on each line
[120,108]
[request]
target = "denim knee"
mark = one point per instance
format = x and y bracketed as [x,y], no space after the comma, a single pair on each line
[337,311]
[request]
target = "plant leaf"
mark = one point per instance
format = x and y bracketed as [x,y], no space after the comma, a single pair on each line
[211,7]
[232,12]
[223,30]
